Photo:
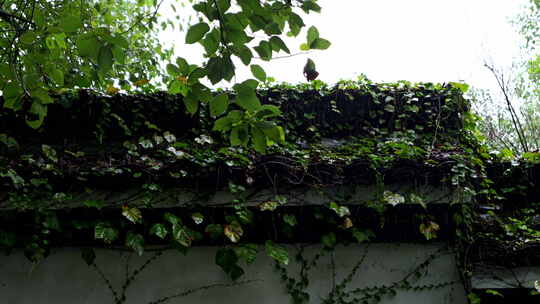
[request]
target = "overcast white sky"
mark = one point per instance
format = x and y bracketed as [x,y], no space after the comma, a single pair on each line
[388,40]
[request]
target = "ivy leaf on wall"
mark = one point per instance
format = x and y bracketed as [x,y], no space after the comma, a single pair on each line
[105,232]
[132,214]
[233,231]
[277,252]
[135,241]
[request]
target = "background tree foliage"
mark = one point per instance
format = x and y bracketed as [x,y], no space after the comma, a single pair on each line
[49,46]
[511,116]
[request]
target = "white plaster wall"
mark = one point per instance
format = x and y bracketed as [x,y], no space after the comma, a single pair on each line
[65,278]
[492,277]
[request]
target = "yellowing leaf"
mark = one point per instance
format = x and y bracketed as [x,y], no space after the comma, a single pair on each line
[233,231]
[347,223]
[132,214]
[141,82]
[268,206]
[429,229]
[112,90]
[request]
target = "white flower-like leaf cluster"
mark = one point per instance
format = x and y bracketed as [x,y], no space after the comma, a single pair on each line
[393,198]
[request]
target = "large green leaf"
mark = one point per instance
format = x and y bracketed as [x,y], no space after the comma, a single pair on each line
[320,44]
[172,69]
[312,34]
[219,68]
[88,46]
[106,233]
[70,23]
[57,76]
[244,53]
[159,230]
[239,135]
[28,37]
[196,32]
[211,42]
[105,58]
[278,44]
[135,241]
[258,72]
[246,97]
[219,104]
[277,252]
[264,49]
[259,140]
[40,111]
[226,259]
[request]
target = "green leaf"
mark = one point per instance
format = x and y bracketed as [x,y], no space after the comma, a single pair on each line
[105,58]
[494,292]
[247,252]
[196,32]
[42,95]
[290,219]
[171,218]
[12,94]
[219,104]
[312,34]
[106,233]
[119,41]
[295,24]
[244,53]
[41,111]
[310,5]
[272,29]
[182,235]
[238,37]
[159,230]
[268,111]
[135,241]
[226,259]
[275,133]
[57,76]
[278,44]
[88,46]
[192,103]
[362,236]
[258,72]
[264,49]
[183,65]
[222,124]
[219,68]
[223,6]
[28,37]
[132,214]
[259,140]
[214,230]
[7,239]
[463,87]
[239,136]
[320,44]
[246,97]
[70,23]
[172,70]
[277,252]
[329,240]
[211,42]
[51,222]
